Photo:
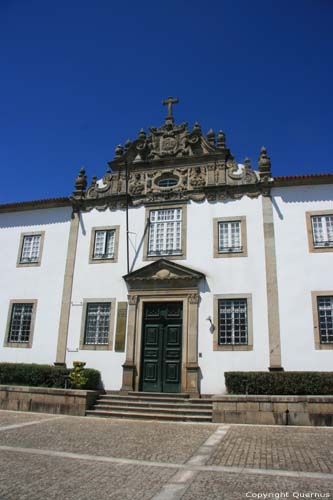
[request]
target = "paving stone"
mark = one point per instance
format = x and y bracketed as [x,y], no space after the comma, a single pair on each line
[226,486]
[52,478]
[158,441]
[286,448]
[13,417]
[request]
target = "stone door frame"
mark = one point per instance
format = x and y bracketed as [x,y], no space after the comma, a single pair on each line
[132,365]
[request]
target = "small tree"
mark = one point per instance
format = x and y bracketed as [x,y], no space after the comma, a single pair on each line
[77,377]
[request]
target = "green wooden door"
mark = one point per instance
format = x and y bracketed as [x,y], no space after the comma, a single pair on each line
[161,347]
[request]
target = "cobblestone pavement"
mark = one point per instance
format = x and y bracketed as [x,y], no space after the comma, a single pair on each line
[12,418]
[46,457]
[292,448]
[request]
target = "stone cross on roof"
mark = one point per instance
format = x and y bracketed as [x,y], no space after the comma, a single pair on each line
[170,101]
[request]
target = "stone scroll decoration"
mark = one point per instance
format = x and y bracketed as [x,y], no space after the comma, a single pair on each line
[173,163]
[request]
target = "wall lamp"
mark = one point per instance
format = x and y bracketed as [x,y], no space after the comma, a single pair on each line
[212,327]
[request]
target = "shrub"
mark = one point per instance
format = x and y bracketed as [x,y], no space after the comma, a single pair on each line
[280,383]
[43,375]
[77,376]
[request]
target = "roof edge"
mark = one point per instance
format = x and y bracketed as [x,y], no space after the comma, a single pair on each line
[302,180]
[35,204]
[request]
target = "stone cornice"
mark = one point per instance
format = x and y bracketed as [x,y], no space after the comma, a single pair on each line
[35,204]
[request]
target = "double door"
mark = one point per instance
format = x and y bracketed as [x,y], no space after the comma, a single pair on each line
[161,346]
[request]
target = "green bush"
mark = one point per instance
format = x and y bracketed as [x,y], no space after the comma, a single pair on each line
[43,375]
[280,383]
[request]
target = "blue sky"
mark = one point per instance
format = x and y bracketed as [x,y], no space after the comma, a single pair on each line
[79,77]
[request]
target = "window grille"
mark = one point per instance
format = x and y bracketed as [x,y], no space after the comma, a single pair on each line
[104,244]
[97,323]
[325,315]
[322,230]
[230,236]
[165,232]
[232,321]
[20,323]
[30,248]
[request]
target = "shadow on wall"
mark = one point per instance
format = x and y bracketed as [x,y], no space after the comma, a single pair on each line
[32,218]
[304,194]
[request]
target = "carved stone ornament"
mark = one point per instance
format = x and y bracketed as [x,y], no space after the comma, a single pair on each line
[132,300]
[164,274]
[193,298]
[172,163]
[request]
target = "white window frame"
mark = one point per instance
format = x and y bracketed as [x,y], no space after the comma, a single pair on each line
[328,319]
[231,250]
[230,237]
[322,221]
[97,345]
[234,310]
[165,227]
[105,257]
[316,246]
[9,342]
[108,240]
[30,261]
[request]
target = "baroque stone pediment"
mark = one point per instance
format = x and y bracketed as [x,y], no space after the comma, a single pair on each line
[173,163]
[163,271]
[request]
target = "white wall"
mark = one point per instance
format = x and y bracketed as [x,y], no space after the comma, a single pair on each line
[299,273]
[44,283]
[229,275]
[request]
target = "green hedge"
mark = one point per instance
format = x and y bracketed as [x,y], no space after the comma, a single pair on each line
[280,383]
[43,375]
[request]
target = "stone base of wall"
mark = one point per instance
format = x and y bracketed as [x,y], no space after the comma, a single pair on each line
[46,400]
[274,410]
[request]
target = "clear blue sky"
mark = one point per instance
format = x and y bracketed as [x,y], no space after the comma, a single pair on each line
[79,77]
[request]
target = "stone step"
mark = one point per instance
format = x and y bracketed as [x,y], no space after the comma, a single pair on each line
[176,395]
[149,416]
[158,409]
[166,399]
[152,404]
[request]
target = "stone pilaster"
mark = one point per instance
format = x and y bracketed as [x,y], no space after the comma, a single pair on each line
[129,367]
[67,289]
[272,286]
[192,368]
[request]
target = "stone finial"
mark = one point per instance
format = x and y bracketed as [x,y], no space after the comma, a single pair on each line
[264,164]
[211,136]
[247,163]
[127,145]
[221,140]
[119,151]
[94,180]
[196,127]
[81,181]
[142,134]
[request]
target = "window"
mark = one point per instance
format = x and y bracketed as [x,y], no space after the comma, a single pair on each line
[320,230]
[230,237]
[97,324]
[104,244]
[165,232]
[30,249]
[233,322]
[322,307]
[20,323]
[325,316]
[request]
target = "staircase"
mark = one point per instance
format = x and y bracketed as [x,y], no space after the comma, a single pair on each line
[152,405]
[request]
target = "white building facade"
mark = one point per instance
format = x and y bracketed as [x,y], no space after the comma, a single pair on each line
[175,267]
